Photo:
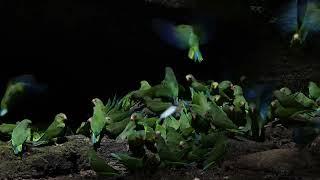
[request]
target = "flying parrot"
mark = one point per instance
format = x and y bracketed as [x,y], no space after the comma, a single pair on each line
[182,36]
[17,89]
[300,17]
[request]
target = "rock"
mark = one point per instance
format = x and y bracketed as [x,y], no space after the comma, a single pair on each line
[237,148]
[280,136]
[278,161]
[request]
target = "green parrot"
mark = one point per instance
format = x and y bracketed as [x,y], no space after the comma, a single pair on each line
[136,141]
[127,102]
[55,130]
[283,112]
[36,135]
[170,150]
[216,153]
[182,36]
[219,118]
[132,163]
[100,166]
[169,88]
[314,90]
[20,135]
[144,85]
[298,100]
[130,126]
[211,112]
[140,119]
[226,90]
[196,85]
[6,129]
[98,120]
[156,105]
[116,128]
[200,104]
[84,128]
[239,101]
[17,89]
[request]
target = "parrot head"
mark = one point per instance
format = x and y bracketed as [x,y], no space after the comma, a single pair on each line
[96,101]
[296,39]
[26,122]
[190,78]
[134,116]
[237,90]
[107,119]
[61,117]
[214,85]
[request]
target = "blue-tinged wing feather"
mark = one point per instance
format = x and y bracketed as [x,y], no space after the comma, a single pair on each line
[166,30]
[30,83]
[287,21]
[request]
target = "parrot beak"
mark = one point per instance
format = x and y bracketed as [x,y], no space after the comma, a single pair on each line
[189,77]
[94,100]
[214,85]
[133,117]
[64,116]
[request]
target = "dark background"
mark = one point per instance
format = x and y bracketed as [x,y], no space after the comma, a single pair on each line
[85,49]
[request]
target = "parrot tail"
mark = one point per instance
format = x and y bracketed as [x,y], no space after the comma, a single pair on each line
[195,54]
[3,112]
[94,138]
[17,149]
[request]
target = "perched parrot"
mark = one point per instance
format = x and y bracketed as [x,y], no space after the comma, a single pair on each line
[156,105]
[314,91]
[196,85]
[98,120]
[132,163]
[182,36]
[100,166]
[239,101]
[84,128]
[6,129]
[56,130]
[226,90]
[115,129]
[18,89]
[169,88]
[20,135]
[127,102]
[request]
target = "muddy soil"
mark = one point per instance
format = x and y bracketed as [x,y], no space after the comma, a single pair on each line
[276,158]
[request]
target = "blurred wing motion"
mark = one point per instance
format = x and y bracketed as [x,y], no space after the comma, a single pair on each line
[300,17]
[19,88]
[182,36]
